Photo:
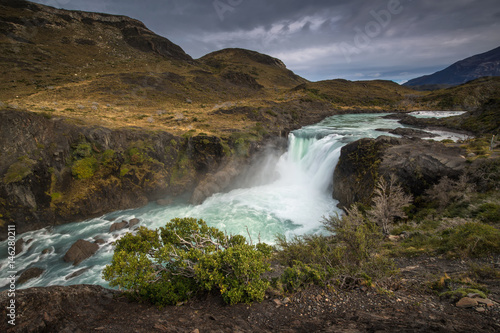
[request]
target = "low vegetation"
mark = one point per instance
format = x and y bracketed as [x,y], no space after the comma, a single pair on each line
[174,263]
[186,257]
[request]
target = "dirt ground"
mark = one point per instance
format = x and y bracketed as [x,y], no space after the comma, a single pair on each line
[409,307]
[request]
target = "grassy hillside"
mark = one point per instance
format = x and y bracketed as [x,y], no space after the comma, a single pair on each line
[367,95]
[468,96]
[113,71]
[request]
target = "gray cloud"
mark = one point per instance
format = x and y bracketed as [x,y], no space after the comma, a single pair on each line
[323,39]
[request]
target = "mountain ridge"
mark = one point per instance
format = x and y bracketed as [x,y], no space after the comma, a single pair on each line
[465,70]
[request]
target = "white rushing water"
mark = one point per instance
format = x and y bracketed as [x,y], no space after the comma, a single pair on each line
[293,203]
[436,114]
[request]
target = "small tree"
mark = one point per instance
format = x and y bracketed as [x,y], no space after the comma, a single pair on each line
[172,264]
[357,237]
[388,203]
[448,191]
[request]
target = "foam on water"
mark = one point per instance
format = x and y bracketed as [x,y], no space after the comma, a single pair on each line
[436,114]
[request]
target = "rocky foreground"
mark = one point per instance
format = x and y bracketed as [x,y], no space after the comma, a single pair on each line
[409,306]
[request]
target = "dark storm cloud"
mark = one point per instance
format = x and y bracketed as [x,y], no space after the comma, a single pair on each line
[353,39]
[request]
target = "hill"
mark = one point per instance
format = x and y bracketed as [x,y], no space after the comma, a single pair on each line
[469,96]
[484,64]
[373,96]
[113,71]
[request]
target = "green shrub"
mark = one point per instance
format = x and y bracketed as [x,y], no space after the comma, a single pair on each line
[82,150]
[357,237]
[108,156]
[471,240]
[55,196]
[135,156]
[84,168]
[457,294]
[484,271]
[172,264]
[348,257]
[489,213]
[123,170]
[479,146]
[19,170]
[301,275]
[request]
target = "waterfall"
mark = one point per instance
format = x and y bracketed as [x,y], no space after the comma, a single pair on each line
[290,195]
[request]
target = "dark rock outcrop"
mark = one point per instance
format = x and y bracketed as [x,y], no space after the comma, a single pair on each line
[133,32]
[133,222]
[416,163]
[80,251]
[242,79]
[19,246]
[118,226]
[215,183]
[47,308]
[30,273]
[57,172]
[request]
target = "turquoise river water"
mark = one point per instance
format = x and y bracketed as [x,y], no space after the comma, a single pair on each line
[290,195]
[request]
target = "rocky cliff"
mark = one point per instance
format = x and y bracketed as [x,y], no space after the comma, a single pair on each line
[54,171]
[417,164]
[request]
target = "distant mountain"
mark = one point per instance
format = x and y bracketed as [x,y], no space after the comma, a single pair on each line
[484,64]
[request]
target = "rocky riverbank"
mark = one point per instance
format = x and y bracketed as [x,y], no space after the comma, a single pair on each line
[407,304]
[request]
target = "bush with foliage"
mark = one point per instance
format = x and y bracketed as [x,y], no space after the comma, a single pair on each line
[347,257]
[300,275]
[472,239]
[172,264]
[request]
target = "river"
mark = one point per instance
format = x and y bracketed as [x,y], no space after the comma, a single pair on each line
[288,195]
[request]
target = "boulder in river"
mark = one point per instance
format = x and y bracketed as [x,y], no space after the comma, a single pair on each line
[29,274]
[47,250]
[99,241]
[118,226]
[133,222]
[80,251]
[19,246]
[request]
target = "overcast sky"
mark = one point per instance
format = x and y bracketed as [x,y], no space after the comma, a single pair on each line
[323,39]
